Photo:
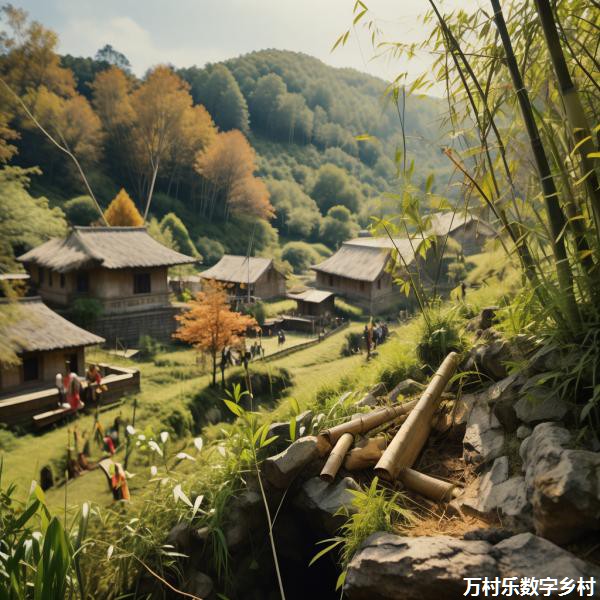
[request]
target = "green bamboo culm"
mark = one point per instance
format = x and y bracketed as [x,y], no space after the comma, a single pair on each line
[556,216]
[576,118]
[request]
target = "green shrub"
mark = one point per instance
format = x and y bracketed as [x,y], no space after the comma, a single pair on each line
[211,250]
[7,438]
[148,347]
[352,344]
[300,255]
[257,310]
[179,422]
[439,335]
[81,210]
[346,310]
[86,311]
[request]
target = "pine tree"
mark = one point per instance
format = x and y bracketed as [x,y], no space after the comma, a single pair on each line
[123,212]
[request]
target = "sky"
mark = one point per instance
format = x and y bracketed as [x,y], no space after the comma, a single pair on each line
[188,32]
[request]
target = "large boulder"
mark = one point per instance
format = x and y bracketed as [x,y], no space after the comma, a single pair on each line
[484,320]
[502,396]
[563,484]
[407,387]
[281,470]
[484,437]
[539,404]
[325,502]
[528,555]
[392,567]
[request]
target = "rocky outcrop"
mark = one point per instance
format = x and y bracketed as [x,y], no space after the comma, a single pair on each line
[495,493]
[281,430]
[540,404]
[389,567]
[407,387]
[489,356]
[563,484]
[280,470]
[322,502]
[484,320]
[484,436]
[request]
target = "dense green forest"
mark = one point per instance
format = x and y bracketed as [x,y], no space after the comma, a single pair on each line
[311,149]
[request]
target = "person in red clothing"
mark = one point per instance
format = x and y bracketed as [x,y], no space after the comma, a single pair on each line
[72,387]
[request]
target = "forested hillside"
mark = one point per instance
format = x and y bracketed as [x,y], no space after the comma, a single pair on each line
[274,145]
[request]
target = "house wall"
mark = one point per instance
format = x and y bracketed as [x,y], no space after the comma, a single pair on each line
[112,287]
[271,284]
[50,363]
[376,297]
[472,236]
[316,310]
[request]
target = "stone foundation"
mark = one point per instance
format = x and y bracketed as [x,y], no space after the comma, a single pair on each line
[126,329]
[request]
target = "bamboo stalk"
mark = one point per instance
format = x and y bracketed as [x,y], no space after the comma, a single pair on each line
[430,487]
[334,462]
[411,437]
[367,422]
[365,455]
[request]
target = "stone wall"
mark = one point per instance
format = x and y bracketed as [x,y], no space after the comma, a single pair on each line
[126,329]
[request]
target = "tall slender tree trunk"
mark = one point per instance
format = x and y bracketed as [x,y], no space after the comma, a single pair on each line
[576,118]
[556,217]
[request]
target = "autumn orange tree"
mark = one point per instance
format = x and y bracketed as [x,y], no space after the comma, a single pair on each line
[210,325]
[228,166]
[123,212]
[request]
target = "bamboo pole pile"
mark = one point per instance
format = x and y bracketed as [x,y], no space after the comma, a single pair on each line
[395,461]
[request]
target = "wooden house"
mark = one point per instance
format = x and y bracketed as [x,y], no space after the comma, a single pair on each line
[45,343]
[252,276]
[313,303]
[123,268]
[359,272]
[361,268]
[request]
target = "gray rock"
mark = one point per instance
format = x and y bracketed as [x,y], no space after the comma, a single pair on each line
[484,438]
[213,415]
[280,470]
[379,389]
[245,514]
[563,485]
[282,429]
[494,493]
[523,432]
[323,501]
[390,567]
[185,539]
[407,387]
[540,404]
[490,356]
[527,555]
[484,320]
[368,399]
[502,397]
[199,585]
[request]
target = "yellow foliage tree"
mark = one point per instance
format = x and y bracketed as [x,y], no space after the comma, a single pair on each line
[123,212]
[210,325]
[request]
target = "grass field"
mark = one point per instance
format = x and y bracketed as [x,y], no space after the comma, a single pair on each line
[174,376]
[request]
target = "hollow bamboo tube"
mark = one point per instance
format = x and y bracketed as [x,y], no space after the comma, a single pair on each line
[430,487]
[412,435]
[334,462]
[366,422]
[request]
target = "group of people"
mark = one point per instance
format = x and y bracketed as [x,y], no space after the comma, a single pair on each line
[375,334]
[70,386]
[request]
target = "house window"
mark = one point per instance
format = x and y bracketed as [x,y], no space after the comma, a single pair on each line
[362,286]
[379,284]
[141,283]
[41,275]
[50,277]
[83,282]
[31,368]
[62,280]
[331,280]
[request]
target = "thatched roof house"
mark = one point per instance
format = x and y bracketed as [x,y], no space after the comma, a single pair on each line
[123,268]
[242,272]
[105,247]
[359,269]
[313,303]
[45,341]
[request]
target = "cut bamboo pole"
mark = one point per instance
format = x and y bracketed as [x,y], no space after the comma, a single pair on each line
[412,435]
[367,422]
[334,462]
[430,487]
[365,455]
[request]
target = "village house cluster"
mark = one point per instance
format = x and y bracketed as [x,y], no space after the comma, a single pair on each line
[118,276]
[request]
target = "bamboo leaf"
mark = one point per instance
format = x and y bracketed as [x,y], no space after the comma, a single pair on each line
[233,407]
